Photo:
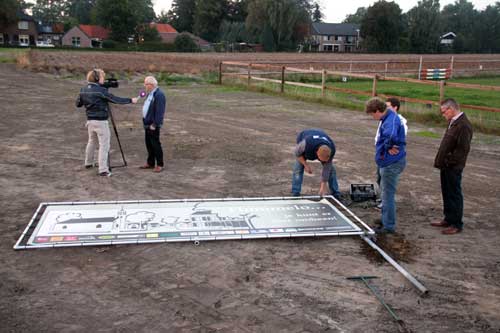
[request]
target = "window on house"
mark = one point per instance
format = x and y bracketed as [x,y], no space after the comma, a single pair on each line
[24,40]
[23,25]
[349,39]
[1,38]
[75,41]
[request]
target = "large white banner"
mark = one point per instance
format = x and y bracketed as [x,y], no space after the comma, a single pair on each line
[99,223]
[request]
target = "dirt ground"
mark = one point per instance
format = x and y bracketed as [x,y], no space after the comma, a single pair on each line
[224,143]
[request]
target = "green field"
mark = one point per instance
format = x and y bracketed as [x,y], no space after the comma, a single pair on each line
[483,121]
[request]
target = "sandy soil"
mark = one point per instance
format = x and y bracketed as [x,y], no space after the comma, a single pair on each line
[222,143]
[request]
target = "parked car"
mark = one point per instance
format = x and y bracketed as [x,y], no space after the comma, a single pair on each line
[42,43]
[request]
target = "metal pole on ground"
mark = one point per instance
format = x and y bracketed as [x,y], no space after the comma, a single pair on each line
[365,280]
[407,275]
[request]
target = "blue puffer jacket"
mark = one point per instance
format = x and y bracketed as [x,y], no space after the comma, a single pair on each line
[392,134]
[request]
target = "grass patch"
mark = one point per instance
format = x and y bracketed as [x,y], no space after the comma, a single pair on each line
[170,79]
[483,121]
[427,134]
[10,55]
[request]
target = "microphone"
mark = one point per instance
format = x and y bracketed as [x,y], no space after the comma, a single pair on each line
[142,94]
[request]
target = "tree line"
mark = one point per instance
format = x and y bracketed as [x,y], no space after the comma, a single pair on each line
[280,25]
[385,28]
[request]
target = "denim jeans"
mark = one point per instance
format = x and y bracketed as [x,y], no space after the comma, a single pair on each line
[389,183]
[298,177]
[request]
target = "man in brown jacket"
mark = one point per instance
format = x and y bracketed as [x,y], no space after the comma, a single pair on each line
[450,159]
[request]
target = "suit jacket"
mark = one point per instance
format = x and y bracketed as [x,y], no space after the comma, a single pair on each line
[455,146]
[156,111]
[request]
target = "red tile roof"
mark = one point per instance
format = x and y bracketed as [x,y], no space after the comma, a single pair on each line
[94,31]
[163,28]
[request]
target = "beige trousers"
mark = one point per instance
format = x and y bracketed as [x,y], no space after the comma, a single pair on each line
[98,133]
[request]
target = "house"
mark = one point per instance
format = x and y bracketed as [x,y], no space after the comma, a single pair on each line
[335,37]
[22,33]
[166,31]
[168,35]
[50,34]
[84,35]
[447,39]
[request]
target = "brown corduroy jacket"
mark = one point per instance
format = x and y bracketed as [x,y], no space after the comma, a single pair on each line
[455,146]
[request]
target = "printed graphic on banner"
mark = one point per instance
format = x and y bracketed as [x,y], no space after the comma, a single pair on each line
[133,222]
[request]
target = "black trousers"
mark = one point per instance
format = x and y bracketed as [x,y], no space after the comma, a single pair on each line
[453,199]
[153,145]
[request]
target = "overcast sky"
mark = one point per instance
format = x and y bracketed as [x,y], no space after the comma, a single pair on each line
[335,11]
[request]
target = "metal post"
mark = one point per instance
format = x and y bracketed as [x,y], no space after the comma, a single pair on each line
[283,79]
[374,87]
[441,91]
[323,83]
[350,67]
[420,67]
[220,72]
[386,63]
[396,265]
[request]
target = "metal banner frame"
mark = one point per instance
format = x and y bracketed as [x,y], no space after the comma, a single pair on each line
[64,224]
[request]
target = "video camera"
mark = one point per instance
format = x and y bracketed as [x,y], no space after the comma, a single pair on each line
[110,83]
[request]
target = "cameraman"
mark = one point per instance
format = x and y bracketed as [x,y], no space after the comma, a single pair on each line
[95,97]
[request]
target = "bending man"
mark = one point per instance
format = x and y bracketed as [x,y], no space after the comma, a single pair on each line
[315,144]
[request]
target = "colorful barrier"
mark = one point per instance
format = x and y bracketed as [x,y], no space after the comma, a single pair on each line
[435,74]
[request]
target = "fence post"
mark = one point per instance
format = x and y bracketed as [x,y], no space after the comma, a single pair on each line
[386,63]
[323,83]
[220,72]
[441,91]
[451,66]
[374,87]
[420,67]
[249,74]
[282,79]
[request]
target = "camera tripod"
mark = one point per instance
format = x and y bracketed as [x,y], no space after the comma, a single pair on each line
[119,143]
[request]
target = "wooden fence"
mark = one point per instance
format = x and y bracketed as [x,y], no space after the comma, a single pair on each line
[250,71]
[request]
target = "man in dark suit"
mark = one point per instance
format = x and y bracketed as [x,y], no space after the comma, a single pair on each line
[153,113]
[450,160]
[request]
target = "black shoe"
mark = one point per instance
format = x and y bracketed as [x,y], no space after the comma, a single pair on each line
[383,231]
[89,166]
[105,174]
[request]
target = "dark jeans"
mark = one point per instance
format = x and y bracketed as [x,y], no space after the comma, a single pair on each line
[153,144]
[453,199]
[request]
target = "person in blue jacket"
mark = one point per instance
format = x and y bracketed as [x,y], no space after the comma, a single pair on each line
[315,144]
[390,156]
[153,112]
